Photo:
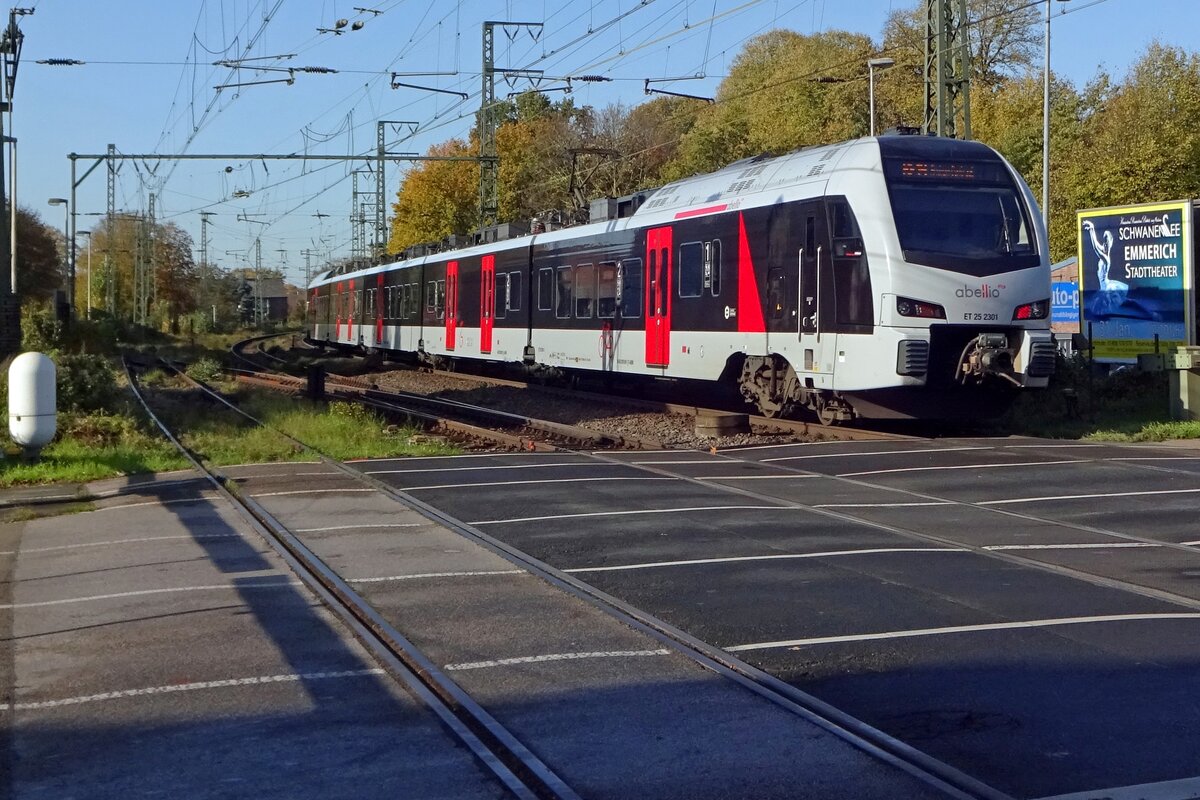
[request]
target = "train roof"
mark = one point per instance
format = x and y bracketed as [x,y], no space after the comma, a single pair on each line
[756,181]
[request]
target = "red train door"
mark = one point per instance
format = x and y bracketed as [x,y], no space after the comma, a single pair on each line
[658,297]
[487,303]
[379,309]
[451,303]
[337,307]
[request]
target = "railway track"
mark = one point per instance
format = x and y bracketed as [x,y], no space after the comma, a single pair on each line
[513,763]
[509,760]
[574,435]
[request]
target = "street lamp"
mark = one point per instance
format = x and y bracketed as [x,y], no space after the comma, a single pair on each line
[68,247]
[872,65]
[88,313]
[1046,126]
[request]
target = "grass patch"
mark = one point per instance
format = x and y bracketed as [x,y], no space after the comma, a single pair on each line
[340,430]
[90,447]
[1126,406]
[27,513]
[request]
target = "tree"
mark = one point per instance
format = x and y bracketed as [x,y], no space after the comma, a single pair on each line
[40,268]
[436,198]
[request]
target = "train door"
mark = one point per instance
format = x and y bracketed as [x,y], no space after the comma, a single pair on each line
[658,297]
[814,260]
[451,303]
[487,303]
[379,298]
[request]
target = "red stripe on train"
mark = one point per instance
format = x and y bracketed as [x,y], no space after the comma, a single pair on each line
[696,212]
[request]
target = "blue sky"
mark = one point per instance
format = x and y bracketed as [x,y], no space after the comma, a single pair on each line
[149,84]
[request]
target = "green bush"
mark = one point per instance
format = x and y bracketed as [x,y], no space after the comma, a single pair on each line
[205,370]
[40,330]
[86,383]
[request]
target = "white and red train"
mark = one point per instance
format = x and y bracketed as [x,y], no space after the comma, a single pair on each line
[886,276]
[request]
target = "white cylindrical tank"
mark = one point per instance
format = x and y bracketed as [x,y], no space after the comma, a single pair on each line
[32,400]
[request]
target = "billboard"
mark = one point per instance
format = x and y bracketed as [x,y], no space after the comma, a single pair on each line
[1135,270]
[1064,302]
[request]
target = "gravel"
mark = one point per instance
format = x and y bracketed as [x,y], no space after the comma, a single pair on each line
[613,416]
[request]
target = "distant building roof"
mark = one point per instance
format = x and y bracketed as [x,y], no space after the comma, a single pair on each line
[271,287]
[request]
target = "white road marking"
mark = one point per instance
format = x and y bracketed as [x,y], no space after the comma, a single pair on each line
[875,453]
[887,505]
[755,477]
[990,626]
[311,491]
[260,680]
[1047,446]
[438,575]
[1183,789]
[360,527]
[1082,496]
[530,483]
[626,513]
[1089,546]
[464,456]
[875,442]
[197,538]
[774,557]
[505,662]
[965,466]
[497,466]
[267,464]
[1154,458]
[284,475]
[669,463]
[204,499]
[222,587]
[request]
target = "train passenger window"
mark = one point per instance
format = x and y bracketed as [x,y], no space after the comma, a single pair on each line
[630,281]
[439,299]
[606,290]
[431,297]
[500,297]
[370,309]
[546,289]
[514,291]
[691,269]
[715,277]
[565,291]
[585,291]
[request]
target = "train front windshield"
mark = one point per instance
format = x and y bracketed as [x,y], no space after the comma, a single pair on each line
[963,216]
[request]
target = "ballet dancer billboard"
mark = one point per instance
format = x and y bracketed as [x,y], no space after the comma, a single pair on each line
[1136,268]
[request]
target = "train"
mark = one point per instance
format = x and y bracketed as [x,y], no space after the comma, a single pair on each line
[888,276]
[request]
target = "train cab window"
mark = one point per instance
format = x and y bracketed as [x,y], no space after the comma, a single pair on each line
[606,290]
[546,289]
[629,283]
[514,291]
[691,269]
[564,293]
[851,278]
[585,291]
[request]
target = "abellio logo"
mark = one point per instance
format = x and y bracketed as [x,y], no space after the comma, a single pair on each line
[983,291]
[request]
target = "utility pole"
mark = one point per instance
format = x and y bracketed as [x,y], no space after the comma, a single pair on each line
[489,163]
[204,223]
[10,305]
[947,69]
[258,315]
[110,277]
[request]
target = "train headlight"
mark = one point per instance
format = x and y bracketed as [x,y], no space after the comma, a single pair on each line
[1037,310]
[907,307]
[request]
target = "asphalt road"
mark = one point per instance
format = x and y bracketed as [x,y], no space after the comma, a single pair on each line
[1025,611]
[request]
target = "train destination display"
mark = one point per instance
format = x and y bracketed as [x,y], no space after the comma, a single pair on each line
[1135,269]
